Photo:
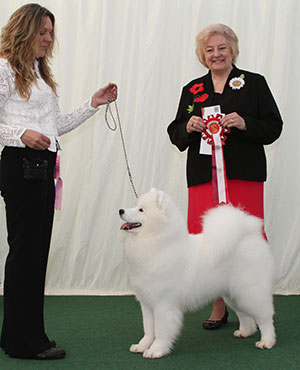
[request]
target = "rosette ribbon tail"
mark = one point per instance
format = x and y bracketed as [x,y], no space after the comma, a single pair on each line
[58,186]
[219,178]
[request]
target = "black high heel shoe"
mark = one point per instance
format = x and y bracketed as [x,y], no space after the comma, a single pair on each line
[216,324]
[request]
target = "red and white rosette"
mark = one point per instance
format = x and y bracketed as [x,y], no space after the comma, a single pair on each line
[215,136]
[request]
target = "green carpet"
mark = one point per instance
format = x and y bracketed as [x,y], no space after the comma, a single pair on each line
[96,332]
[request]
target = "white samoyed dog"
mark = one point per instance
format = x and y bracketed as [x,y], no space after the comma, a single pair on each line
[172,271]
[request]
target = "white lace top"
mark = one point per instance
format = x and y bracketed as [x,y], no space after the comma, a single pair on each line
[40,113]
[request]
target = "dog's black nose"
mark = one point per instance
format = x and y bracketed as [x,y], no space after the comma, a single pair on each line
[121,211]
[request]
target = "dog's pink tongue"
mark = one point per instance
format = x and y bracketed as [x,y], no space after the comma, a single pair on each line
[124,226]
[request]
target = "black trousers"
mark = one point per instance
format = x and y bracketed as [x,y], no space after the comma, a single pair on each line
[29,217]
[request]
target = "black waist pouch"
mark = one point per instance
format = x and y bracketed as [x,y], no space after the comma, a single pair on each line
[35,168]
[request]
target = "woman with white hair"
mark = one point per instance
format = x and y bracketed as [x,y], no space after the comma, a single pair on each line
[251,119]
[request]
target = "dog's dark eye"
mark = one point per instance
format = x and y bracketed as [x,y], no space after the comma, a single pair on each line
[141,210]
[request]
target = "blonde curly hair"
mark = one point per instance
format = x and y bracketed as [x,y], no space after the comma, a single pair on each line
[214,29]
[19,44]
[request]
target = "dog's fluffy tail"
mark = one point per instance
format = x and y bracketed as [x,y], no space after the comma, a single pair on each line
[223,228]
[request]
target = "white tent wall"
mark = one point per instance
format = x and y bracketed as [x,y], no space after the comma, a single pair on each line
[148,48]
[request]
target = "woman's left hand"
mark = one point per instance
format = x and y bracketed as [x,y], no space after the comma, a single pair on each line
[105,94]
[233,120]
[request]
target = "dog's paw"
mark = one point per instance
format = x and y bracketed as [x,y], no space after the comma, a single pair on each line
[137,348]
[240,334]
[262,344]
[150,353]
[243,333]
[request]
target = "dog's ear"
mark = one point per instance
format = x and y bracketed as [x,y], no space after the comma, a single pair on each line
[161,200]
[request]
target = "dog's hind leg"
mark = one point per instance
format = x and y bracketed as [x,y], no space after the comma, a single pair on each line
[247,325]
[267,330]
[167,322]
[261,309]
[148,338]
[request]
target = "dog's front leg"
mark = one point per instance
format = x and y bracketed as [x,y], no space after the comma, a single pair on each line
[148,338]
[167,323]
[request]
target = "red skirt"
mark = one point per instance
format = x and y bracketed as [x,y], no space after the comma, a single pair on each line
[248,195]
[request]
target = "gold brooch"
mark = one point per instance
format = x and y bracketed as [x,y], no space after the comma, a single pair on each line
[237,83]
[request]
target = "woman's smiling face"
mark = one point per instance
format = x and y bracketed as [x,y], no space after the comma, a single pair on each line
[218,54]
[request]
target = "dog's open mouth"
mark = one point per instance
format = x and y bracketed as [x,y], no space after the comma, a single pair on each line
[130,225]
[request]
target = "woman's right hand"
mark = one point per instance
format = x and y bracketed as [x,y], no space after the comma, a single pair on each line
[196,124]
[105,94]
[35,140]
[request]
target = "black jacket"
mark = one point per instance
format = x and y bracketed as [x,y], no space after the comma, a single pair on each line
[243,152]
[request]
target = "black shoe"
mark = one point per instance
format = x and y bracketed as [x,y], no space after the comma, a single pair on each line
[215,324]
[51,354]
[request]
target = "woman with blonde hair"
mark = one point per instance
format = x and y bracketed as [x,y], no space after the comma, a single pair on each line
[251,115]
[30,124]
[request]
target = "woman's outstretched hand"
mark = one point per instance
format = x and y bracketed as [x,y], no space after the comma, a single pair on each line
[106,93]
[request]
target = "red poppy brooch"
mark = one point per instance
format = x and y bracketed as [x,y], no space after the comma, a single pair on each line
[199,96]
